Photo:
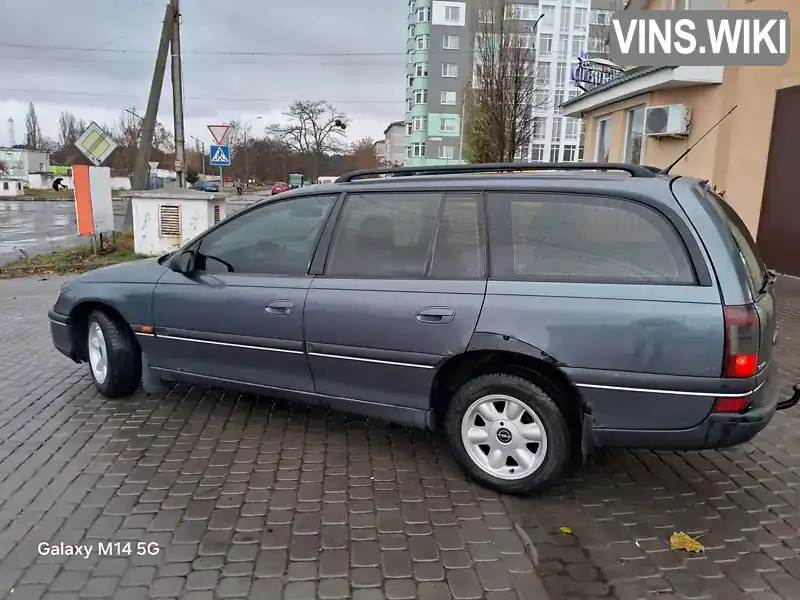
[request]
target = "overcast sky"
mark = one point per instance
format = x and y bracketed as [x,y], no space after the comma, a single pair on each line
[354,57]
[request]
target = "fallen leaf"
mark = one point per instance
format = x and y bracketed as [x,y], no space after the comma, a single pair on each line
[566,530]
[683,541]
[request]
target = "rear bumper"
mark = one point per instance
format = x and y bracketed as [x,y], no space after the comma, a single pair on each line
[61,334]
[717,430]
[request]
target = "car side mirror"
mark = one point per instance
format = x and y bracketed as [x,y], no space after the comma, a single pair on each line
[183,263]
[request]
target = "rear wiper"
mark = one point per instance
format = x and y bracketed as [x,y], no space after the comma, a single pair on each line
[769,278]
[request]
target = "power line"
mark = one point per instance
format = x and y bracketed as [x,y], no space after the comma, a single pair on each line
[206,98]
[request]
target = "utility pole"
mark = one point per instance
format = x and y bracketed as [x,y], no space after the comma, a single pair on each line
[149,125]
[177,95]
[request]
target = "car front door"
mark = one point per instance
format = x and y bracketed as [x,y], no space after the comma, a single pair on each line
[401,291]
[238,317]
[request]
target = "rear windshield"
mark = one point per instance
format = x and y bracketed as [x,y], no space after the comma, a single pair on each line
[744,241]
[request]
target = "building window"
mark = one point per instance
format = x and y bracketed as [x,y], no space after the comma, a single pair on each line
[409,104]
[420,96]
[408,151]
[537,153]
[577,47]
[538,127]
[555,150]
[409,128]
[543,74]
[522,12]
[541,100]
[448,125]
[549,12]
[555,133]
[485,15]
[561,75]
[409,57]
[545,45]
[565,10]
[409,81]
[579,20]
[449,70]
[448,98]
[558,100]
[422,42]
[5,185]
[452,13]
[450,42]
[597,44]
[424,14]
[634,139]
[446,152]
[421,70]
[600,17]
[563,47]
[418,149]
[570,153]
[419,123]
[603,139]
[572,129]
[574,93]
[412,6]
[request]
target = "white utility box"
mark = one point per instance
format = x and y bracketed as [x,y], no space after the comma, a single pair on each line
[164,220]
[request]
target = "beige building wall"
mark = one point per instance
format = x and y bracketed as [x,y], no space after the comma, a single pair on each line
[734,156]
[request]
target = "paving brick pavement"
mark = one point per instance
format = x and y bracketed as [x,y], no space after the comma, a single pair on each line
[246,497]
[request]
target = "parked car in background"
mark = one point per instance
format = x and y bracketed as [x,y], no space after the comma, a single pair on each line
[206,186]
[531,316]
[280,187]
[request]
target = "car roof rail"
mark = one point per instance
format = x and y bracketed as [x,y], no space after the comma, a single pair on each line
[633,170]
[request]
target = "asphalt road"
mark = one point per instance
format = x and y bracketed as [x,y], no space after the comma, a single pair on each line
[35,227]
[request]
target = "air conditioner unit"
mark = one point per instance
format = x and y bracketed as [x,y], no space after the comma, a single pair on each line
[673,120]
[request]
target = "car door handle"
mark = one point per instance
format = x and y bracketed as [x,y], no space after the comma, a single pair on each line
[436,314]
[280,307]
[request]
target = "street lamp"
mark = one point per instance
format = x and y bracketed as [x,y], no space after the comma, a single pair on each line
[203,155]
[247,153]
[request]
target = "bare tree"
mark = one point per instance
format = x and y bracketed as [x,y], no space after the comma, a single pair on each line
[33,131]
[68,129]
[314,128]
[500,99]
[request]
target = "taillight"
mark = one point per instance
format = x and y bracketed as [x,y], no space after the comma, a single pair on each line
[742,341]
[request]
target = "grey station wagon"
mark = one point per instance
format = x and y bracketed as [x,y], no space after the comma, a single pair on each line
[533,312]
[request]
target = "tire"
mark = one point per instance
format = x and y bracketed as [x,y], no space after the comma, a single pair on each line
[506,439]
[116,345]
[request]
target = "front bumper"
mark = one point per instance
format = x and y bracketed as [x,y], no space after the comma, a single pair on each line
[61,334]
[718,430]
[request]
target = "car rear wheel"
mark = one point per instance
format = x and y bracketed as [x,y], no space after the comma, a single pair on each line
[508,434]
[114,358]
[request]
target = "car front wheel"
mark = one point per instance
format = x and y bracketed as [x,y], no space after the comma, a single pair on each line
[508,434]
[113,356]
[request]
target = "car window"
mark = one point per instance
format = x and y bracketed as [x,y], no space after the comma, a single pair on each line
[274,239]
[459,248]
[744,241]
[384,235]
[572,238]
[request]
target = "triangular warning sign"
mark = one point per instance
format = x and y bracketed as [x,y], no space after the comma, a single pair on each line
[220,156]
[219,132]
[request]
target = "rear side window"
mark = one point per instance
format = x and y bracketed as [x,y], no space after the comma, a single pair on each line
[577,238]
[744,241]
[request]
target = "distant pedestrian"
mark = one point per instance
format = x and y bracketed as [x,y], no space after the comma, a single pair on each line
[239,187]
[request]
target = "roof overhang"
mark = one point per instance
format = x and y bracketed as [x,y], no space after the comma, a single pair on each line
[656,80]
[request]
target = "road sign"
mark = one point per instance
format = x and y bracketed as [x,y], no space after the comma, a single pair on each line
[95,144]
[220,156]
[219,133]
[153,165]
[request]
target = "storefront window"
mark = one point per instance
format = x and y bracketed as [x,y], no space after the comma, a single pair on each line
[634,139]
[603,139]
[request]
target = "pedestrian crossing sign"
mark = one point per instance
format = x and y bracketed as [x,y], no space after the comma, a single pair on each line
[220,156]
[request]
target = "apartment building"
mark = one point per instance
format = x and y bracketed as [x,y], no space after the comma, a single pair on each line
[750,157]
[394,139]
[440,66]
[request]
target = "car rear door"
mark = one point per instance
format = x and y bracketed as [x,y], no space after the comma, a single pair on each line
[401,291]
[239,316]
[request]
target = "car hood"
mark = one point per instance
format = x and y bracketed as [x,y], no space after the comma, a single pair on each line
[137,271]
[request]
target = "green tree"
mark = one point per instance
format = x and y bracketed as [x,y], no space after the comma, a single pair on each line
[191,176]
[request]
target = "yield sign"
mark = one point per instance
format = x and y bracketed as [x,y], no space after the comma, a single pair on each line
[219,132]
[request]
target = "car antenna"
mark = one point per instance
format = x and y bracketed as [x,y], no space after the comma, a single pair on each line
[690,148]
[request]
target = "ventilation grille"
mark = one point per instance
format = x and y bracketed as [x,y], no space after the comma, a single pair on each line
[216,214]
[169,221]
